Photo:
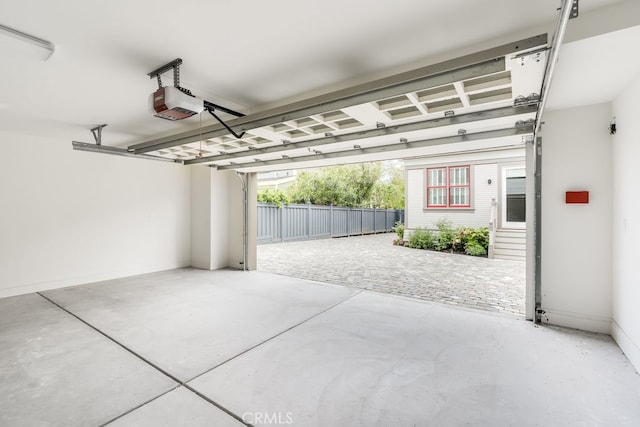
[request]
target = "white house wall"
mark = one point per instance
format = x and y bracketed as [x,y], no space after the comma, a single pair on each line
[626,222]
[485,167]
[70,217]
[576,238]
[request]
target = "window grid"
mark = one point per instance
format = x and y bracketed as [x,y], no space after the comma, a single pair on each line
[437,187]
[449,187]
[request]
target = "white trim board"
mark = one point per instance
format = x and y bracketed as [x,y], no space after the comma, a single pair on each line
[630,349]
[598,324]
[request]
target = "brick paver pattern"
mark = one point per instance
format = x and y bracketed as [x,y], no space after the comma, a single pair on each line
[372,262]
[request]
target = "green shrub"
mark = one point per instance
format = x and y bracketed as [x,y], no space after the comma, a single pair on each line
[475,249]
[274,196]
[471,241]
[461,238]
[446,235]
[422,239]
[399,229]
[480,236]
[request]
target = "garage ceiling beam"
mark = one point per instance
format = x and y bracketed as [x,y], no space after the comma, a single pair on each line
[466,67]
[500,133]
[385,131]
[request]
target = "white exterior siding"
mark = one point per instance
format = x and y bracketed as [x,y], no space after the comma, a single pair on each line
[485,165]
[478,216]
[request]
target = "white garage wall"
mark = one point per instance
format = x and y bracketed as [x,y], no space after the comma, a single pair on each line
[626,223]
[576,239]
[70,217]
[233,243]
[201,217]
[216,218]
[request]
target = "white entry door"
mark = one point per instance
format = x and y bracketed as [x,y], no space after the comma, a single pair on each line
[513,197]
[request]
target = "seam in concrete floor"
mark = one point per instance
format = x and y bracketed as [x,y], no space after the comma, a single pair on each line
[184,383]
[178,381]
[277,335]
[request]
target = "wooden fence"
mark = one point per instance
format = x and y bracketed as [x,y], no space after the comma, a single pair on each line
[303,222]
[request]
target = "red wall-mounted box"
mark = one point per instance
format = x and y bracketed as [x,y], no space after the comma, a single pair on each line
[577,197]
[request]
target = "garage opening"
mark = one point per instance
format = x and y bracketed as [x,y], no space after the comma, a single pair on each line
[379,248]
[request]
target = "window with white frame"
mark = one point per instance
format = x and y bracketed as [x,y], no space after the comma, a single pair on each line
[449,187]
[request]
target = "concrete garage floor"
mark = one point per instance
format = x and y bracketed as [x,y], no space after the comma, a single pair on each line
[230,348]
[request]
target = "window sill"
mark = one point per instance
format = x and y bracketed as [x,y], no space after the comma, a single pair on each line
[425,210]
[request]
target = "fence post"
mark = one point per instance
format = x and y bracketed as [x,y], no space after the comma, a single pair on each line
[331,220]
[348,222]
[282,210]
[374,221]
[308,220]
[362,222]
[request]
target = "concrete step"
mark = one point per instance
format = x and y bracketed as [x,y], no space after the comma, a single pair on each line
[520,246]
[511,237]
[510,257]
[510,244]
[511,233]
[510,254]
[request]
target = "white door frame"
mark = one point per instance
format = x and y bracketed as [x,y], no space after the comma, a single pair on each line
[503,198]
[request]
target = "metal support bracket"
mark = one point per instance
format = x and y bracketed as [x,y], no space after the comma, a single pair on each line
[173,65]
[574,10]
[104,149]
[531,99]
[231,131]
[97,134]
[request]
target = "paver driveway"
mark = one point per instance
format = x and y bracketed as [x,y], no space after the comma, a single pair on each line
[372,262]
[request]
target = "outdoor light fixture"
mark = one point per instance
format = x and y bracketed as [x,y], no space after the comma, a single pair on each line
[44,47]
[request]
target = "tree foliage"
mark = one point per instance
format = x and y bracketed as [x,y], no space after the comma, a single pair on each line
[350,185]
[274,196]
[388,192]
[368,185]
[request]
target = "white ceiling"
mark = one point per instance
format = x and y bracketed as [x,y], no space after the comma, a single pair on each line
[245,55]
[595,69]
